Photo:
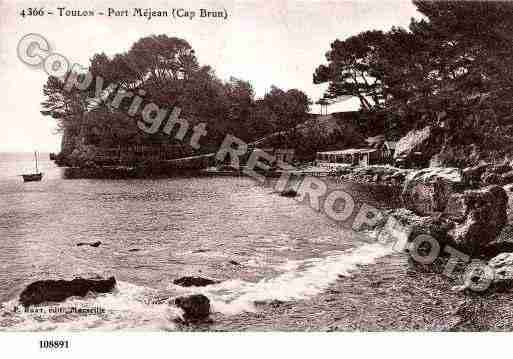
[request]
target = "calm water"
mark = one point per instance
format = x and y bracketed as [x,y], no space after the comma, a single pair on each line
[154,231]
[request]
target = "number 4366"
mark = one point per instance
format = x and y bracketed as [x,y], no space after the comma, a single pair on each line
[32,11]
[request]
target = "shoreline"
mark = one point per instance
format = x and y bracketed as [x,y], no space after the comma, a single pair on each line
[378,175]
[387,295]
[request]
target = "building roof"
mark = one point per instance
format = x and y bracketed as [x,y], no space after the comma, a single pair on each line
[349,151]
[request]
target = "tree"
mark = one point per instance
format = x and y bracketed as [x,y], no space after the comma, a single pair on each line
[352,69]
[288,109]
[454,66]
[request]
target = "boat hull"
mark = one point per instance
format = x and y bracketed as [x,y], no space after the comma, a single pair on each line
[35,177]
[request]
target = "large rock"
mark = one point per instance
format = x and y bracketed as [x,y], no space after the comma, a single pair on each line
[455,208]
[93,244]
[499,174]
[472,175]
[425,141]
[485,216]
[427,191]
[196,307]
[471,222]
[495,248]
[60,290]
[194,282]
[411,225]
[502,266]
[491,178]
[289,193]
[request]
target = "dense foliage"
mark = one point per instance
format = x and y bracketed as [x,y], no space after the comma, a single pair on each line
[165,71]
[453,68]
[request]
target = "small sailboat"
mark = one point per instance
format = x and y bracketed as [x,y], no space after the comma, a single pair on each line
[33,177]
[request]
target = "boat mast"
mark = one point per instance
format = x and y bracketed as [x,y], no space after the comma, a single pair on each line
[35,156]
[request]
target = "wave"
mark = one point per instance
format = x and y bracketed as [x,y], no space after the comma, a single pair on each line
[126,308]
[142,308]
[306,279]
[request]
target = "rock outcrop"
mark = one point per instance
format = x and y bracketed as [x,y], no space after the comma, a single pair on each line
[486,174]
[490,178]
[288,193]
[471,224]
[381,175]
[413,225]
[60,290]
[502,266]
[196,307]
[472,175]
[485,216]
[93,244]
[425,141]
[427,191]
[194,282]
[497,175]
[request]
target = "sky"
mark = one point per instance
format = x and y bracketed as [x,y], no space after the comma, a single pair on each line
[266,42]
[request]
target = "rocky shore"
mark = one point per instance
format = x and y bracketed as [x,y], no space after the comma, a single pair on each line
[468,209]
[470,213]
[382,175]
[388,295]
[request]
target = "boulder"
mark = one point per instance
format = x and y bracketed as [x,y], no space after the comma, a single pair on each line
[502,266]
[94,244]
[497,175]
[411,225]
[472,175]
[194,282]
[491,178]
[196,307]
[425,141]
[455,208]
[288,193]
[495,248]
[60,290]
[201,250]
[427,191]
[485,217]
[470,222]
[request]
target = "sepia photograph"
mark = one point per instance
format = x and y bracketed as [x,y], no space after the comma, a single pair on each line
[250,166]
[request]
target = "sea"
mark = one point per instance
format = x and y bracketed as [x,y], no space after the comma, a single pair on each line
[259,245]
